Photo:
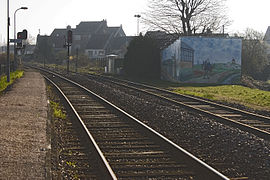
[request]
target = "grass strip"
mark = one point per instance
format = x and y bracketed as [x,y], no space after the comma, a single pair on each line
[253,98]
[13,76]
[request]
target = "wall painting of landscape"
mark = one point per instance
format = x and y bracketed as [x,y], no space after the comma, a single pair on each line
[202,60]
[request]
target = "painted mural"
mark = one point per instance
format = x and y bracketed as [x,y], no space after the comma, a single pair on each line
[202,60]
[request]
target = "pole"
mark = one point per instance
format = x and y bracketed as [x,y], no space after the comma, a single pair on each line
[77,57]
[138,26]
[138,23]
[15,43]
[8,60]
[68,45]
[15,50]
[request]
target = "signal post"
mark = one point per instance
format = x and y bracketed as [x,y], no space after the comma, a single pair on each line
[68,45]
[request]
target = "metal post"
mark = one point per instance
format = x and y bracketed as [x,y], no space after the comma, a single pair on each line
[77,57]
[68,45]
[15,43]
[138,23]
[8,61]
[15,50]
[138,26]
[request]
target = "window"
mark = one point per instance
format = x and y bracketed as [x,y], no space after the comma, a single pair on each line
[90,53]
[187,55]
[77,37]
[101,52]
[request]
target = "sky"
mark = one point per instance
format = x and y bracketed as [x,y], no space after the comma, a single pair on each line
[45,15]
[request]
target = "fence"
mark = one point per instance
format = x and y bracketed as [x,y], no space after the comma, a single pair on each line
[110,65]
[3,68]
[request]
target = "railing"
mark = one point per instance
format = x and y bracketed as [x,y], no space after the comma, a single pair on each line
[3,68]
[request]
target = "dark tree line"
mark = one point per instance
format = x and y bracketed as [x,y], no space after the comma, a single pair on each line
[44,50]
[45,53]
[142,59]
[255,62]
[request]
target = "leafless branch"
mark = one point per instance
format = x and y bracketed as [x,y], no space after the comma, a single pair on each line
[186,16]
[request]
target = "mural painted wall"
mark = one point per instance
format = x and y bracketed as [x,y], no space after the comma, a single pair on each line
[202,60]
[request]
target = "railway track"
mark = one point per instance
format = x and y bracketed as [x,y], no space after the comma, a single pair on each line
[247,121]
[124,147]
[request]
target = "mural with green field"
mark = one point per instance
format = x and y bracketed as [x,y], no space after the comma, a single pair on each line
[202,60]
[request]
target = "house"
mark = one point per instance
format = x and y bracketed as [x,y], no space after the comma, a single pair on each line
[92,38]
[85,31]
[99,43]
[58,38]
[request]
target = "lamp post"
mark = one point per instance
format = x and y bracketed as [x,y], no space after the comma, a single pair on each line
[7,65]
[138,23]
[15,50]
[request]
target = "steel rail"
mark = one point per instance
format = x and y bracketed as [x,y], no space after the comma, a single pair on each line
[259,132]
[107,170]
[208,171]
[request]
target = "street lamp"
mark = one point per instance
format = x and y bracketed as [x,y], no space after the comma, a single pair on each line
[7,65]
[138,22]
[15,50]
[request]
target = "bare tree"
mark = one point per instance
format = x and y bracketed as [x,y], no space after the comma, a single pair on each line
[254,54]
[186,16]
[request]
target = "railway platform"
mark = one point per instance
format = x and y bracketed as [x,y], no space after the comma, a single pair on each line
[23,124]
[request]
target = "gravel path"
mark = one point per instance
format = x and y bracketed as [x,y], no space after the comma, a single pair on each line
[232,151]
[23,141]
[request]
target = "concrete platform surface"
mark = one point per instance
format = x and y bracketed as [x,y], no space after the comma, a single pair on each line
[23,119]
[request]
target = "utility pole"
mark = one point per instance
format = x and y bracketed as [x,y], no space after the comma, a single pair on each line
[77,57]
[138,23]
[68,45]
[8,60]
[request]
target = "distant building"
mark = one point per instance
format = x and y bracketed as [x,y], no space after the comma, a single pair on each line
[58,38]
[29,49]
[93,38]
[3,49]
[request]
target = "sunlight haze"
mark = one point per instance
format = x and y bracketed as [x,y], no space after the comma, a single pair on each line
[50,14]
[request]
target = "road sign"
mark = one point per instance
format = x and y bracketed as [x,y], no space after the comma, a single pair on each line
[15,40]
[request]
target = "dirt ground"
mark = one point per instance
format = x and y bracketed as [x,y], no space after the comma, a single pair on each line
[23,120]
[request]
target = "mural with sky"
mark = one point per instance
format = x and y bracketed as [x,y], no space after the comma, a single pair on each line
[202,60]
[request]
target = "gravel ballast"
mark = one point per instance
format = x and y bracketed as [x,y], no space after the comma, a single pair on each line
[233,152]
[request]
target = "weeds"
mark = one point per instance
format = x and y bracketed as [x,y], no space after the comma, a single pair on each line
[13,76]
[57,111]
